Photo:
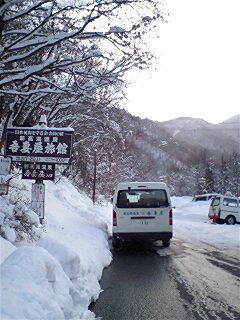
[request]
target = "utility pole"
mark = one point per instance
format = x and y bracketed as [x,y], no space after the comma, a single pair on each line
[94,175]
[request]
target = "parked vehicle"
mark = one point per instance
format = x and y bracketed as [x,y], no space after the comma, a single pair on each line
[142,210]
[204,197]
[226,208]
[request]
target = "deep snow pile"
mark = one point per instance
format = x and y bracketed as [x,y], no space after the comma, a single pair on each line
[191,224]
[17,221]
[6,249]
[57,276]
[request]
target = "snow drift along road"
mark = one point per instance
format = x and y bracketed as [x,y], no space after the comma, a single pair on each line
[57,277]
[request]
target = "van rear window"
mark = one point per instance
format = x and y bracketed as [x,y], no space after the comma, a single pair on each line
[150,198]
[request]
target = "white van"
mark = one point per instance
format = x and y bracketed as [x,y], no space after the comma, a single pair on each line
[204,197]
[142,210]
[226,208]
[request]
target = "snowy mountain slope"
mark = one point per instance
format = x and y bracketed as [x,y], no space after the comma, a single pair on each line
[217,138]
[180,150]
[234,121]
[57,276]
[232,127]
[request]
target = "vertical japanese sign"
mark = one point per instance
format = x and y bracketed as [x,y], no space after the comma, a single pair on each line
[38,199]
[36,145]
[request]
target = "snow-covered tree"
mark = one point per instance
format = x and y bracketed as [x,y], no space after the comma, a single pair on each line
[58,54]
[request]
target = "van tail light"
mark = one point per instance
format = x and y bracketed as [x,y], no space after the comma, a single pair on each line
[114,219]
[219,213]
[170,217]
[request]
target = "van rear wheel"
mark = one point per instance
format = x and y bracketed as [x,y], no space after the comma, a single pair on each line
[166,242]
[230,220]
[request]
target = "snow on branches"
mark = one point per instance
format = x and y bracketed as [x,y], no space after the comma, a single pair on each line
[63,50]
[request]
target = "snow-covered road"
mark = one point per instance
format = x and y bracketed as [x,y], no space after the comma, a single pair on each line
[196,278]
[182,282]
[207,279]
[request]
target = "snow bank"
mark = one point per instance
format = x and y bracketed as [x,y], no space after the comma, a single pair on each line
[57,276]
[191,224]
[68,259]
[34,286]
[6,249]
[17,221]
[81,227]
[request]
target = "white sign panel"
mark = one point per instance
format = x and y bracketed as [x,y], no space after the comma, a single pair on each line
[38,192]
[5,166]
[38,198]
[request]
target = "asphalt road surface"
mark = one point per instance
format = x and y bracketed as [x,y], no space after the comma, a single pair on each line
[177,283]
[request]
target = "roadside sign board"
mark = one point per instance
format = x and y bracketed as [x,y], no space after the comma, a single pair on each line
[38,199]
[5,166]
[44,171]
[39,145]
[38,192]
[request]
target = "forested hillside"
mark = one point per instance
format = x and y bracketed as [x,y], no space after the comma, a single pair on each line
[186,166]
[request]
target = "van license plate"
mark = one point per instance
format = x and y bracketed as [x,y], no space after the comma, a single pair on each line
[143,222]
